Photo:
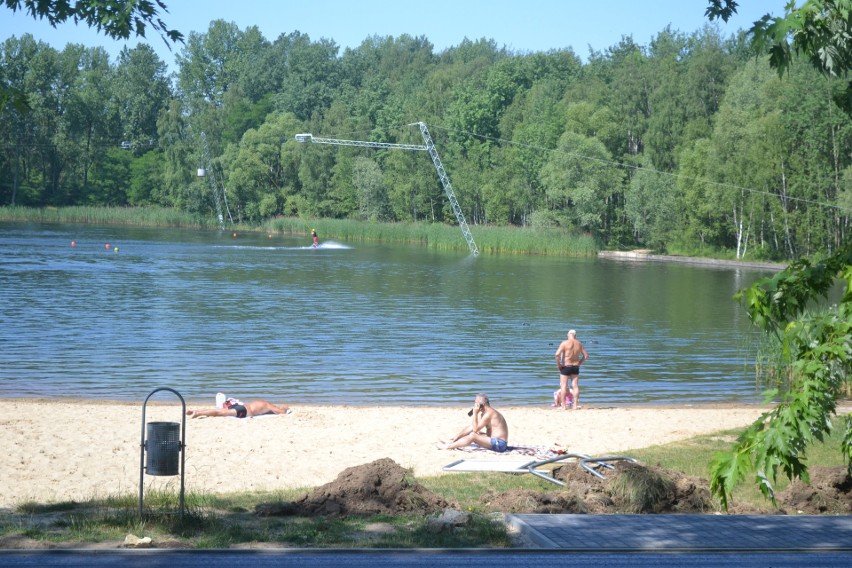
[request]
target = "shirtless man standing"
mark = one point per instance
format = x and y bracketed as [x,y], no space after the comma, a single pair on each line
[483,416]
[247,410]
[570,355]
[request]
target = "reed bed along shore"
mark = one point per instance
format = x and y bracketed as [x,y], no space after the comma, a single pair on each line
[439,236]
[127,216]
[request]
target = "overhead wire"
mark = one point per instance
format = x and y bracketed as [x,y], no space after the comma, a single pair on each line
[614,163]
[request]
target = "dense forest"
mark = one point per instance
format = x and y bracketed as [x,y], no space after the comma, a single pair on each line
[689,144]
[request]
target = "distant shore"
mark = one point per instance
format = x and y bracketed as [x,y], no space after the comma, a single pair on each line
[645,255]
[60,450]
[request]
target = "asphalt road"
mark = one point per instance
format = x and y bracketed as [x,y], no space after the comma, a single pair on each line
[431,557]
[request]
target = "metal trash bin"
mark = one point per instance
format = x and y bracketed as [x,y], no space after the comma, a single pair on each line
[163,447]
[166,447]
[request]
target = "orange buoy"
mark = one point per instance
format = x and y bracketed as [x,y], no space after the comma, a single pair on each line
[107,245]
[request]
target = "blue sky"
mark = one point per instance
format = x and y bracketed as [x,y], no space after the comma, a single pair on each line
[519,25]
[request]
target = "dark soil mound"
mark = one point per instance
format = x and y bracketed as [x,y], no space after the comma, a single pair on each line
[529,501]
[829,493]
[636,488]
[384,487]
[380,487]
[627,488]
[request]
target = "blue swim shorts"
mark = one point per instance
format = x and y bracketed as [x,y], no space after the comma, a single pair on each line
[499,444]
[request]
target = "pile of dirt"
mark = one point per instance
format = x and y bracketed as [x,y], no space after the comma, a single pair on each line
[631,488]
[627,488]
[829,493]
[384,487]
[380,487]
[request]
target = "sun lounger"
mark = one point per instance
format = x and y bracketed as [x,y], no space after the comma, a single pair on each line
[604,461]
[500,465]
[527,466]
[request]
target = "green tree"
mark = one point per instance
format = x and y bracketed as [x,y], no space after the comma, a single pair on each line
[262,168]
[140,90]
[742,138]
[818,30]
[118,19]
[311,74]
[146,179]
[371,189]
[667,117]
[816,344]
[629,94]
[26,67]
[316,167]
[413,194]
[819,150]
[581,183]
[709,65]
[181,160]
[653,204]
[534,122]
[208,64]
[704,221]
[107,183]
[85,132]
[816,351]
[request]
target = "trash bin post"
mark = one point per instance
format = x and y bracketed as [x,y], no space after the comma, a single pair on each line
[163,445]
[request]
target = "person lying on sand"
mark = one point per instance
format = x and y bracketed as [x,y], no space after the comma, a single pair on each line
[247,410]
[483,416]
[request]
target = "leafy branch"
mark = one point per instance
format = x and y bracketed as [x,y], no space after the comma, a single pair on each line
[821,30]
[118,19]
[817,349]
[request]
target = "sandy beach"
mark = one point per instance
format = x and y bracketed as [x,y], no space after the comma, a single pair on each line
[59,450]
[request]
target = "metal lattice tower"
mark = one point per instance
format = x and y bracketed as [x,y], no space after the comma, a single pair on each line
[436,160]
[448,188]
[210,174]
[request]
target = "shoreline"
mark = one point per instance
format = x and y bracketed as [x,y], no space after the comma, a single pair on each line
[206,403]
[62,450]
[647,256]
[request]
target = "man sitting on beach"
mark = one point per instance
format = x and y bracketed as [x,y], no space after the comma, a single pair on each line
[247,410]
[483,416]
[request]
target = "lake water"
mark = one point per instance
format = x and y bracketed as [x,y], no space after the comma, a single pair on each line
[355,323]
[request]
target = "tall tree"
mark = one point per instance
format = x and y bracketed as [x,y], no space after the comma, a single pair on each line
[262,168]
[738,163]
[816,344]
[581,182]
[27,67]
[118,19]
[654,205]
[208,64]
[140,91]
[84,132]
[311,74]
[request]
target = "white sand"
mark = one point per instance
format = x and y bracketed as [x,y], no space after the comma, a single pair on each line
[58,450]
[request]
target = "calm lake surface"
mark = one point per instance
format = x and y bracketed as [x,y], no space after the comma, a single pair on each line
[355,323]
